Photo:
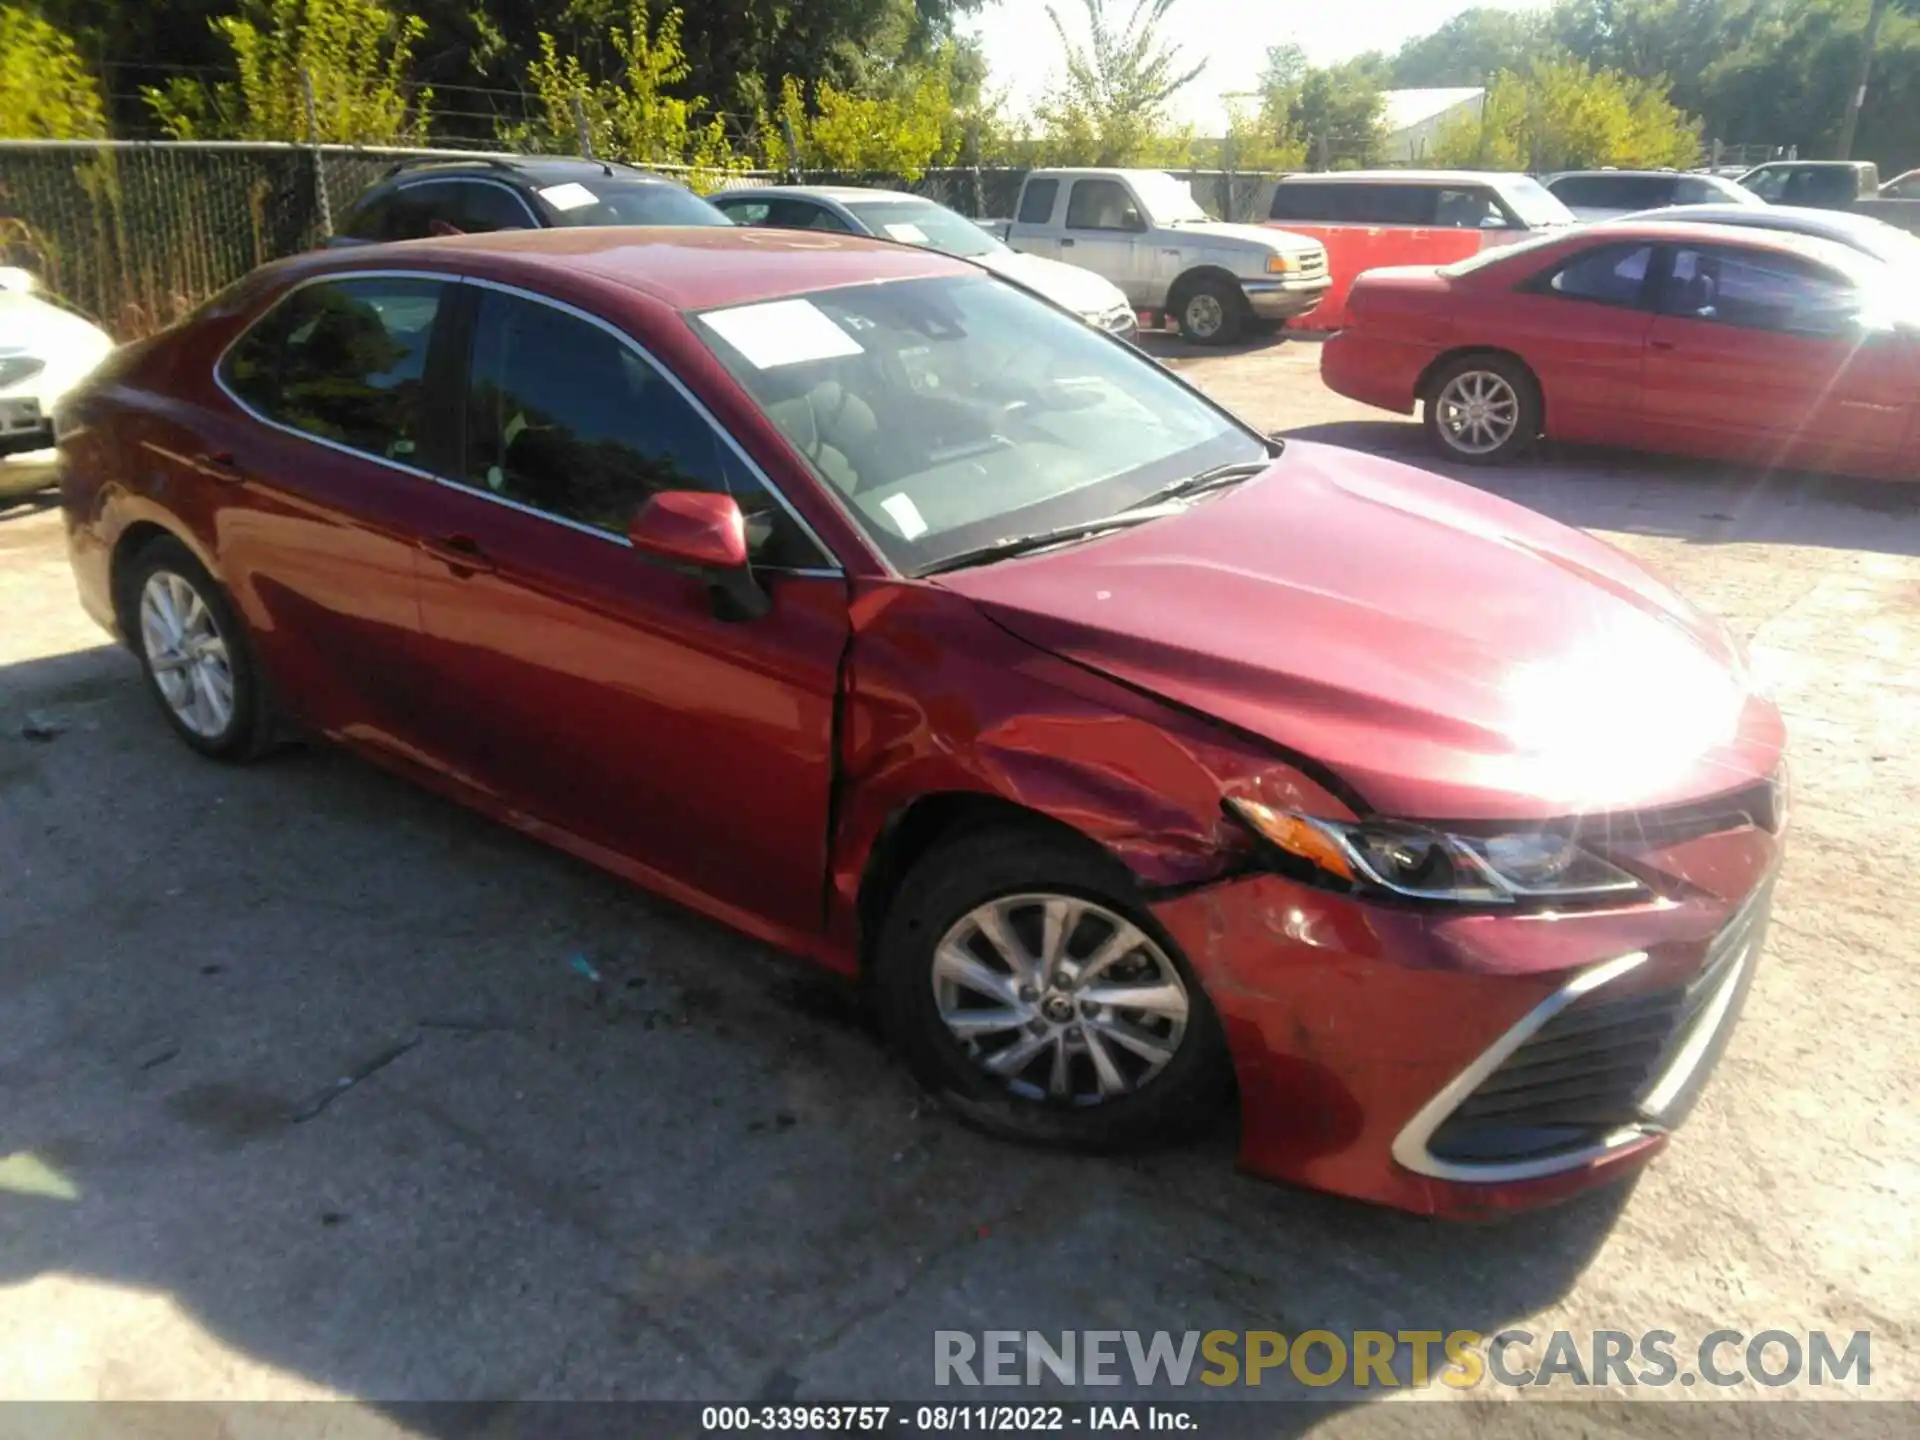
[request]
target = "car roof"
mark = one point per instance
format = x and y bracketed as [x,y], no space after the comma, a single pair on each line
[1632,174]
[687,267]
[845,194]
[1404,177]
[539,169]
[1753,237]
[1793,219]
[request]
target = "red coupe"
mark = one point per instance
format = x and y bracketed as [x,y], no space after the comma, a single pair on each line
[885,612]
[1755,346]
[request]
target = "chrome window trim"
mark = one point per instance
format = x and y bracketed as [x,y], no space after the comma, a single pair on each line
[1410,1145]
[415,182]
[441,277]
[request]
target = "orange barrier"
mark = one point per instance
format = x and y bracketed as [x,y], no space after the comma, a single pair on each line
[1353,248]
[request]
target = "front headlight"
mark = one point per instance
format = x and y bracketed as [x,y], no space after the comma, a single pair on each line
[1417,863]
[1279,264]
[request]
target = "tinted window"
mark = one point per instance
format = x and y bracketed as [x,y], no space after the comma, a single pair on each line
[565,417]
[1036,201]
[1614,192]
[1823,185]
[744,212]
[1387,204]
[1612,275]
[1767,184]
[1760,291]
[1099,205]
[804,215]
[617,201]
[428,208]
[1468,210]
[485,207]
[1302,202]
[343,360]
[369,221]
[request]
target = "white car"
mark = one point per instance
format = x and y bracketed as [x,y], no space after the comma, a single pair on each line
[45,350]
[916,220]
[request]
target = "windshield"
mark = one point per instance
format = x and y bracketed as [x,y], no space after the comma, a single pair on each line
[1536,205]
[921,222]
[614,201]
[951,413]
[1168,201]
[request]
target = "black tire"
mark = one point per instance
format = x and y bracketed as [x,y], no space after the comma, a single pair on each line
[981,865]
[1233,314]
[249,730]
[1502,376]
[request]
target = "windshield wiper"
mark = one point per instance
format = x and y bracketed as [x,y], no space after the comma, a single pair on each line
[1217,478]
[1013,545]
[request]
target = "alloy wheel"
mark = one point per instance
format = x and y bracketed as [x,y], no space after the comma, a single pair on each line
[187,654]
[1478,412]
[1059,998]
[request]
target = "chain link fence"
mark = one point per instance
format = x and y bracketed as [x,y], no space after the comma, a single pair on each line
[138,233]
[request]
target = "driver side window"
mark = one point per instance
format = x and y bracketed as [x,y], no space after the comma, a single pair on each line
[566,418]
[1100,205]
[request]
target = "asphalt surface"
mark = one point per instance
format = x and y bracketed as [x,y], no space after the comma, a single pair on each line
[704,1178]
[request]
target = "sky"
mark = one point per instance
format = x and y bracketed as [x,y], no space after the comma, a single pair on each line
[1232,36]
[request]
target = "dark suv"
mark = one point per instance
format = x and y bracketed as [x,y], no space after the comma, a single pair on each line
[423,197]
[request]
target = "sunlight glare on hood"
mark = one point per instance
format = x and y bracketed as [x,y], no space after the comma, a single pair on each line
[1622,714]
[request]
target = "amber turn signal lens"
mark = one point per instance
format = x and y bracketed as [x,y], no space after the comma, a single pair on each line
[1296,836]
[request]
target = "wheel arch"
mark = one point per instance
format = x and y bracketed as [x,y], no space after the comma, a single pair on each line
[1190,279]
[131,540]
[915,828]
[1423,387]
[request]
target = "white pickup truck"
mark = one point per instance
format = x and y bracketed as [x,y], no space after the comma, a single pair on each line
[1143,230]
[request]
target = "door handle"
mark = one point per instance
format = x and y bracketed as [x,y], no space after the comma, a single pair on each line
[1663,345]
[219,465]
[459,553]
[1065,242]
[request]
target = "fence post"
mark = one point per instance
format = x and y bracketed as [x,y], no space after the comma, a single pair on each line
[580,131]
[793,148]
[320,197]
[1226,159]
[1320,144]
[979,185]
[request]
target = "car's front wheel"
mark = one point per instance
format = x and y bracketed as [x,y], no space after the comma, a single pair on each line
[1029,989]
[194,651]
[1213,312]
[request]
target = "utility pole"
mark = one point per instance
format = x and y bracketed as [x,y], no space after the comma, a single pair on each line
[1859,96]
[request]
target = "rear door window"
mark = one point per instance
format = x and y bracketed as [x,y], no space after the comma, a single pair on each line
[343,361]
[486,207]
[1609,275]
[1468,209]
[1037,201]
[431,207]
[1306,201]
[804,215]
[1760,290]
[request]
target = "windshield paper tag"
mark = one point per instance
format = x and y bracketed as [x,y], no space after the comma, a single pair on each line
[906,515]
[782,332]
[906,234]
[569,196]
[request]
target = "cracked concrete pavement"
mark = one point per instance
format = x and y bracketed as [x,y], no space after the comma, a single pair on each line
[709,1181]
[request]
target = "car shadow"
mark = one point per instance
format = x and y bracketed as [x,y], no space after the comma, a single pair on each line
[319,1082]
[19,507]
[1703,502]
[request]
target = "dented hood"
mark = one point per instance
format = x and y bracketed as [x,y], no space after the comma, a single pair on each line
[1447,654]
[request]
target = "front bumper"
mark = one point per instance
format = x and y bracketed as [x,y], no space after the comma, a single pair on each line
[1286,299]
[1469,1064]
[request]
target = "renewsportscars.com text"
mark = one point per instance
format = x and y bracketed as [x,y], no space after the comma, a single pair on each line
[1382,1359]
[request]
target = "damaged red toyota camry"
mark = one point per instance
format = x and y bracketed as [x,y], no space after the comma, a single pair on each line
[877,608]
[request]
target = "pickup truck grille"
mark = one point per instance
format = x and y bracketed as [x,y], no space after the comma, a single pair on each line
[1311,263]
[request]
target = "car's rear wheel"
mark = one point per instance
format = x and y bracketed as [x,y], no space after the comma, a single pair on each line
[1213,312]
[1483,409]
[1028,988]
[194,651]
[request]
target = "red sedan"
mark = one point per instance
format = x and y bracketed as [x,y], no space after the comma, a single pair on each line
[891,615]
[1755,346]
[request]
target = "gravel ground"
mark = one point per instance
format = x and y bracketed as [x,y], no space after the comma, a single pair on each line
[713,1183]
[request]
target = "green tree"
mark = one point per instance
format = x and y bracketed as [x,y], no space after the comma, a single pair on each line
[1563,115]
[354,54]
[900,132]
[1110,108]
[1470,47]
[1332,113]
[46,92]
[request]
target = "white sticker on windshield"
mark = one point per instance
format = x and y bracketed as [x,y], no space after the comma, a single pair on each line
[906,234]
[570,196]
[782,332]
[906,515]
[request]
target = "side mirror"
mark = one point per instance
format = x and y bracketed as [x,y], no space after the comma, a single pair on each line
[704,535]
[1131,219]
